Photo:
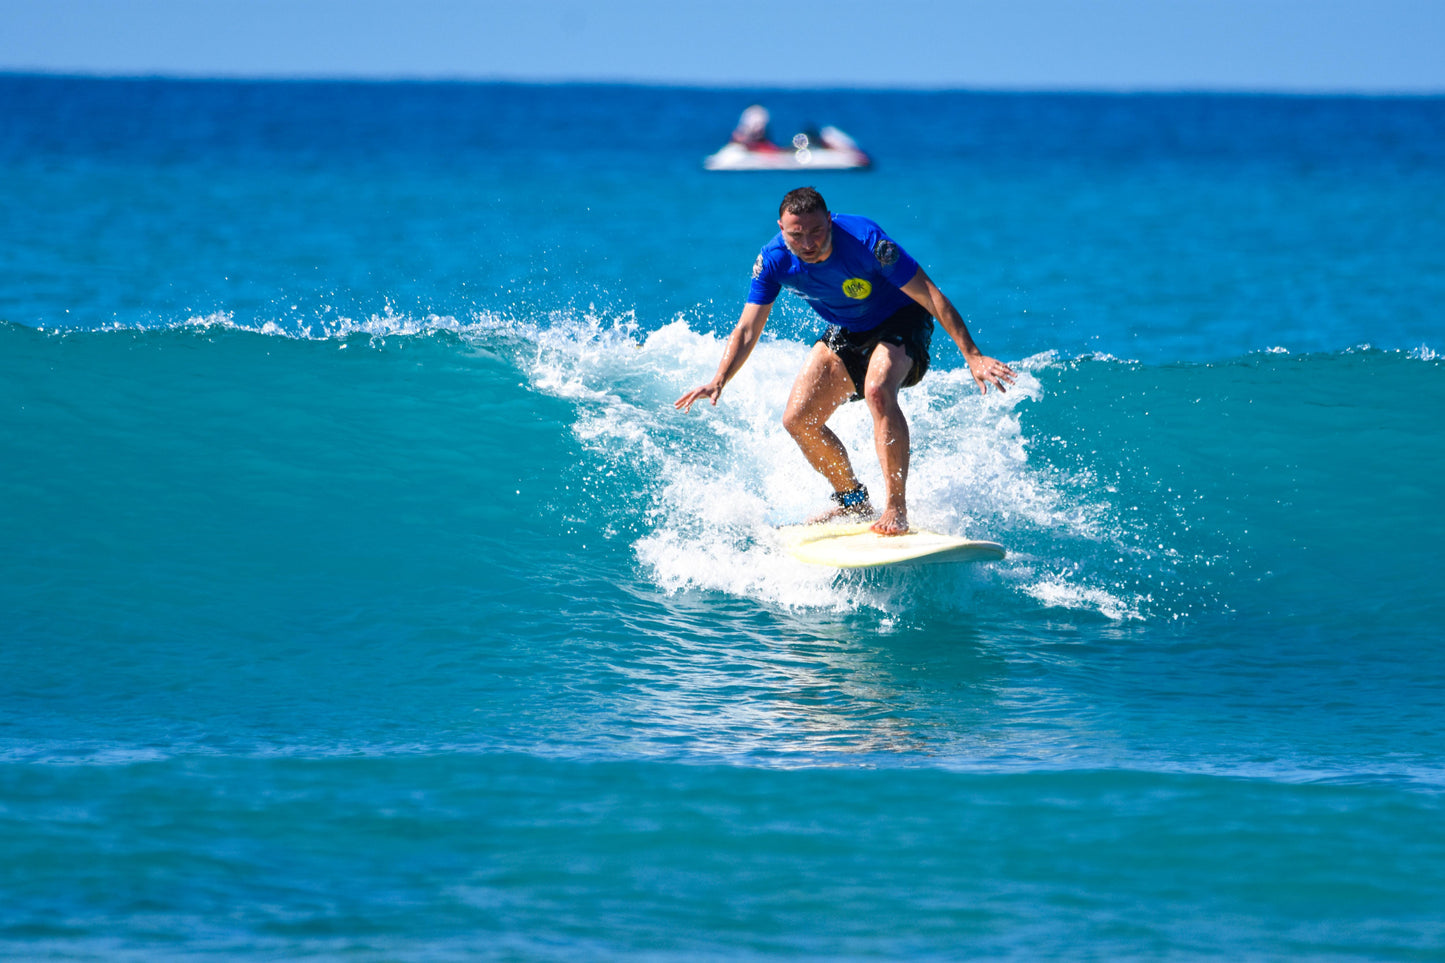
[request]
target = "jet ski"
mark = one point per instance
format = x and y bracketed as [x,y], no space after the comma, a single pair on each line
[828,149]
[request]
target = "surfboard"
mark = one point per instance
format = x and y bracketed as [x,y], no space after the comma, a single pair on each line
[856,546]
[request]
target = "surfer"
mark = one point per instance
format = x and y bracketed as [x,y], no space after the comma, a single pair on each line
[880,307]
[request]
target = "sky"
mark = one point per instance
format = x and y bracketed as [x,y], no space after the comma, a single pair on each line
[1291,46]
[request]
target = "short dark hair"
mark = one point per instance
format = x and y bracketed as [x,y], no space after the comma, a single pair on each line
[802,200]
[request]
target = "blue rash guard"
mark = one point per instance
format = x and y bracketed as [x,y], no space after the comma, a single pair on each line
[857,288]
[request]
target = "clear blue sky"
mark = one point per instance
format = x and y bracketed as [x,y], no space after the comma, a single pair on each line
[1269,45]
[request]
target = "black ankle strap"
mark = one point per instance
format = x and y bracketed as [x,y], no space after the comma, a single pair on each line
[851,498]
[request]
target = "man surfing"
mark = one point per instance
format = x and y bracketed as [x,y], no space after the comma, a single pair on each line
[880,307]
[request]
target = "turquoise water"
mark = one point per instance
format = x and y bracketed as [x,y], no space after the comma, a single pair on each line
[366,598]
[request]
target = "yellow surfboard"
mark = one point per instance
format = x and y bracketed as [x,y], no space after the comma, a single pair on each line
[856,546]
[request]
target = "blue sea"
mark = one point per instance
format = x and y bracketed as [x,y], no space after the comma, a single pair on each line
[363,596]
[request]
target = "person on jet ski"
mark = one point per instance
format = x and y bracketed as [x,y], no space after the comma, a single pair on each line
[752,129]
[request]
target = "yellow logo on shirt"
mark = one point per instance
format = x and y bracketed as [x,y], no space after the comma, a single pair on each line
[857,288]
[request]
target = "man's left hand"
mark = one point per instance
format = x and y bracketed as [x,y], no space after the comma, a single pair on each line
[986,370]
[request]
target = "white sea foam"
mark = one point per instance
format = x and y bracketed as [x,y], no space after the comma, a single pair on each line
[716,482]
[329,326]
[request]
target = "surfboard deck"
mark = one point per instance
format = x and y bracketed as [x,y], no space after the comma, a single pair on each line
[856,546]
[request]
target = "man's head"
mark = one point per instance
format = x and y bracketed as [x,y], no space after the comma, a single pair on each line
[807,228]
[802,200]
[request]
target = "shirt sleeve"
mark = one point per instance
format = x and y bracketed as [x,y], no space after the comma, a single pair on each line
[764,287]
[893,262]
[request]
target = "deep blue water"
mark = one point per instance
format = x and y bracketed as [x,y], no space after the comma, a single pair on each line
[364,597]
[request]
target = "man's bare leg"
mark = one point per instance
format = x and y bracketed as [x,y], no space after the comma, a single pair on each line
[821,388]
[887,368]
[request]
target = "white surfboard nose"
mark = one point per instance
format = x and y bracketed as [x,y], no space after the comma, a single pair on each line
[858,546]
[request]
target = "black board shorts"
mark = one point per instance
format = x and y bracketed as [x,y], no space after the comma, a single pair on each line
[910,326]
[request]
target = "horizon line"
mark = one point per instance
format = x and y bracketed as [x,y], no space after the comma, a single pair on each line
[722,86]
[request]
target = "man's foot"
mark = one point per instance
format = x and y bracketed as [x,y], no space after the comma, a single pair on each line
[853,505]
[860,514]
[892,522]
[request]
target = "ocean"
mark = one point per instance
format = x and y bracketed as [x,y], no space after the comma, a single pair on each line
[364,597]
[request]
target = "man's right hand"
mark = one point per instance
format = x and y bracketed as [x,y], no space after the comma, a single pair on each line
[740,345]
[711,390]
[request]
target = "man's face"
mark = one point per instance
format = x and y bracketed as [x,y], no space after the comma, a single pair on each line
[809,236]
